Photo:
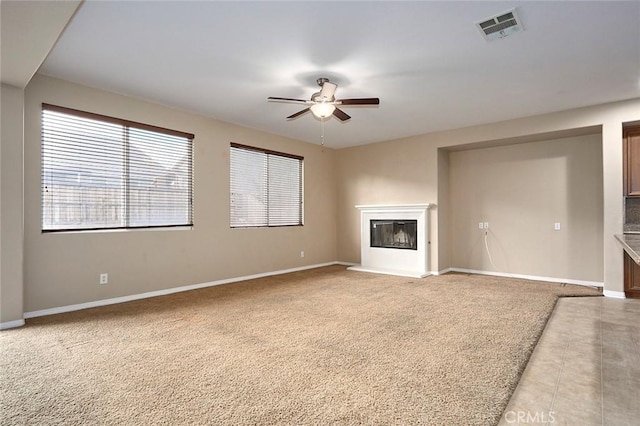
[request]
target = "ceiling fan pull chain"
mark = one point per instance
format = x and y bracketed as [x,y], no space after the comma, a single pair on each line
[322,134]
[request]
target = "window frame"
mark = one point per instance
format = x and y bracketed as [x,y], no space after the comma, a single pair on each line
[127,124]
[267,152]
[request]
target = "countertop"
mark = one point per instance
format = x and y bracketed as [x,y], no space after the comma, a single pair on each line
[631,244]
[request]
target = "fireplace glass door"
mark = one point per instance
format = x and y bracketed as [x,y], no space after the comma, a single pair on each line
[395,234]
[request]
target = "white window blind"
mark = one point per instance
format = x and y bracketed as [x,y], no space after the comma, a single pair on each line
[266,187]
[102,172]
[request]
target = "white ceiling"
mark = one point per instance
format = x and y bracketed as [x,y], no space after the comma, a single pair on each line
[426,61]
[28,31]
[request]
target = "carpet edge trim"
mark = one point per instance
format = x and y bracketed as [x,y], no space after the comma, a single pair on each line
[530,350]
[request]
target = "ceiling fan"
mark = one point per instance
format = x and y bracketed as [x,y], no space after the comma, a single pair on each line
[323,104]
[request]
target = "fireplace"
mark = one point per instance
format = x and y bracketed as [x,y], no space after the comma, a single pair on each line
[394,239]
[394,234]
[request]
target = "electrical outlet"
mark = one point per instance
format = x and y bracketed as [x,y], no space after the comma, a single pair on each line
[104,278]
[486,225]
[556,226]
[480,225]
[302,254]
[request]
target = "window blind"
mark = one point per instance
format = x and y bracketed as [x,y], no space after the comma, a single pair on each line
[101,172]
[266,188]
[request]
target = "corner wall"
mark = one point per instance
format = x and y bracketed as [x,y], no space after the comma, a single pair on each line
[400,172]
[62,269]
[11,236]
[521,191]
[406,170]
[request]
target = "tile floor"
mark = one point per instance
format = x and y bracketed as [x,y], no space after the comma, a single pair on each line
[585,369]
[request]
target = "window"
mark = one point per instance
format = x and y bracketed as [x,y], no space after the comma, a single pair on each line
[266,187]
[101,172]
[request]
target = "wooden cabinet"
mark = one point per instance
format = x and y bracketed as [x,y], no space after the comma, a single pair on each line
[631,171]
[631,278]
[631,165]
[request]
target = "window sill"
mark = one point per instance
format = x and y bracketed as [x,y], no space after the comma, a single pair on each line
[102,231]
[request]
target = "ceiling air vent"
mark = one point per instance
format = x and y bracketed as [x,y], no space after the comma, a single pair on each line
[500,26]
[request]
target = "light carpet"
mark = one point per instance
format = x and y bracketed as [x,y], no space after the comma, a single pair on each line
[317,347]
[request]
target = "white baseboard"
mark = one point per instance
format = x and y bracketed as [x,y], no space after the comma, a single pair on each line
[530,277]
[115,300]
[442,272]
[11,324]
[615,294]
[345,263]
[395,272]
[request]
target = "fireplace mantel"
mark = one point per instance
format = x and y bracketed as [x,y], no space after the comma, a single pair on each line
[382,260]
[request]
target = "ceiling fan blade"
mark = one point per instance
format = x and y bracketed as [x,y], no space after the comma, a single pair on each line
[291,100]
[297,114]
[341,115]
[328,89]
[360,101]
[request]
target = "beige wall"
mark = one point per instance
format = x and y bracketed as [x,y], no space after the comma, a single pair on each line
[443,208]
[11,246]
[63,268]
[406,170]
[399,172]
[521,191]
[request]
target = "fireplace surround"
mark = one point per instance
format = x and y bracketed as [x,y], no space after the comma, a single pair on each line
[394,239]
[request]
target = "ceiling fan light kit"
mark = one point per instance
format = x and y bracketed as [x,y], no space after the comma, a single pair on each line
[323,104]
[323,110]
